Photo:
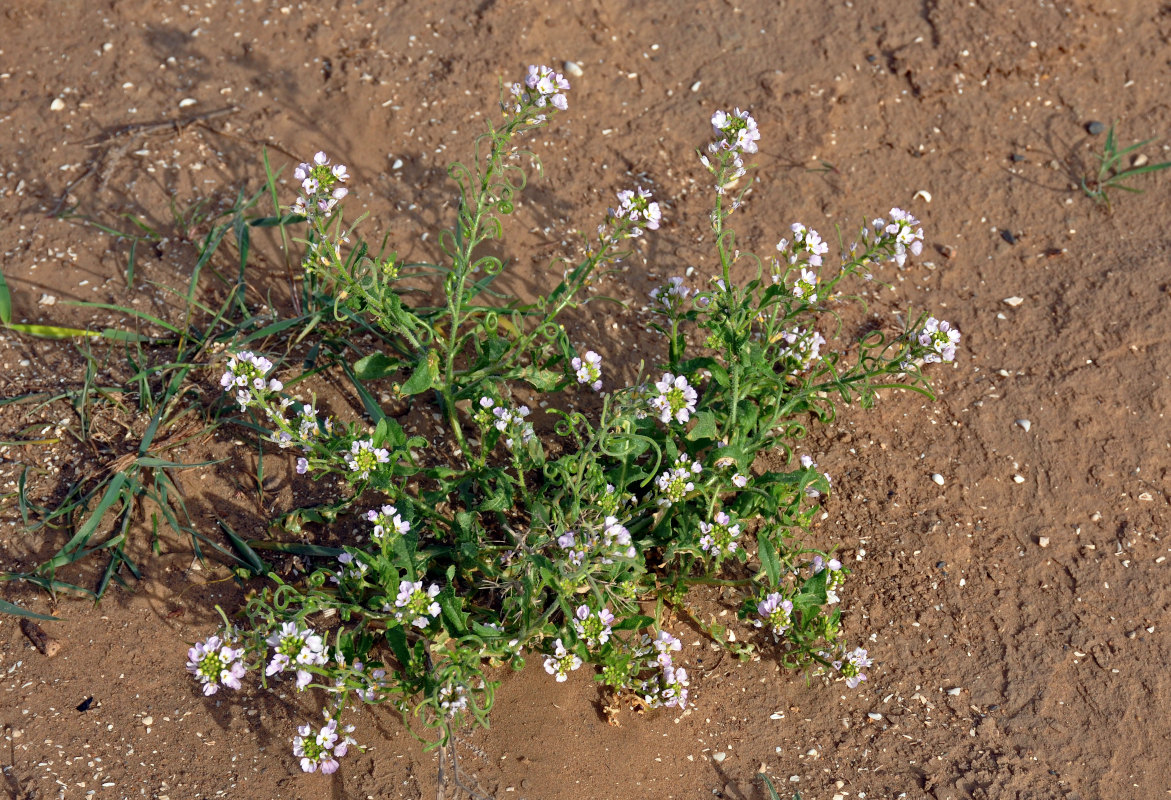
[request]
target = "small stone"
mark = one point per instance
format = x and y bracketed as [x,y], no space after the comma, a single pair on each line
[695,86]
[1094,127]
[812,751]
[148,721]
[398,164]
[187,101]
[937,478]
[1014,301]
[573,69]
[948,251]
[954,691]
[874,715]
[47,300]
[1018,478]
[107,47]
[1017,157]
[1139,161]
[1043,541]
[1096,517]
[57,105]
[1024,423]
[1008,236]
[719,757]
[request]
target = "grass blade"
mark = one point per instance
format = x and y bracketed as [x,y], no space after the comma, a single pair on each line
[17,611]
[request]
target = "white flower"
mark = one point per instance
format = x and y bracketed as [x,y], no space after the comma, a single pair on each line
[941,338]
[562,662]
[216,662]
[415,605]
[589,370]
[675,400]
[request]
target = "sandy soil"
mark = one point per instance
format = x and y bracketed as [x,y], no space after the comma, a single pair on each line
[1017,613]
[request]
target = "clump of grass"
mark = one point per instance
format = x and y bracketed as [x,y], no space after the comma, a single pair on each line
[1112,175]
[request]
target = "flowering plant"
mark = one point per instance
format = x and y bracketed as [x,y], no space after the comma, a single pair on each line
[576,537]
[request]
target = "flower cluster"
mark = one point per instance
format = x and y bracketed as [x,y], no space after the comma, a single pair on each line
[804,347]
[850,665]
[296,647]
[416,606]
[676,483]
[675,398]
[589,370]
[319,182]
[836,578]
[247,374]
[638,208]
[321,749]
[719,536]
[808,463]
[511,423]
[542,88]
[901,229]
[776,614]
[669,298]
[941,338]
[387,523]
[351,569]
[364,458]
[735,132]
[585,546]
[216,662]
[453,698]
[593,628]
[667,687]
[562,662]
[806,247]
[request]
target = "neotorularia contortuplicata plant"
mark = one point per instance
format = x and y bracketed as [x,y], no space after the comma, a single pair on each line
[492,549]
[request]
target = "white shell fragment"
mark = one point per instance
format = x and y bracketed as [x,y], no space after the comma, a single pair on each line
[573,69]
[57,105]
[874,715]
[926,195]
[937,478]
[187,101]
[1043,541]
[1014,301]
[695,86]
[1018,479]
[1024,423]
[954,691]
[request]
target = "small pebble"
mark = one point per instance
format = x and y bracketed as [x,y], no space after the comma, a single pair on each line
[874,715]
[948,251]
[954,691]
[719,757]
[1018,479]
[695,86]
[1139,161]
[1094,127]
[57,105]
[1024,423]
[574,69]
[1043,541]
[47,300]
[1017,157]
[187,101]
[937,478]
[941,565]
[398,164]
[148,721]
[1014,301]
[1007,235]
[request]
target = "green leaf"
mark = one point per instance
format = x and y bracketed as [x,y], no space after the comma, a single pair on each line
[705,427]
[249,556]
[812,593]
[375,366]
[17,611]
[5,302]
[422,378]
[769,560]
[634,623]
[543,380]
[396,637]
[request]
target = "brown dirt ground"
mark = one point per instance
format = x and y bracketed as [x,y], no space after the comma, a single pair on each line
[1018,628]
